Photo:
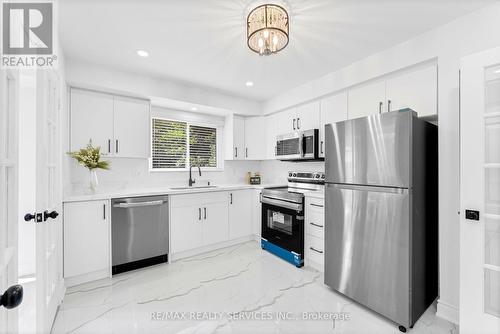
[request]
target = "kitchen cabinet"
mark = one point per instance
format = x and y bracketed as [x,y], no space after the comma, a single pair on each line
[314,236]
[238,138]
[131,128]
[332,109]
[271,126]
[240,213]
[91,119]
[119,125]
[198,220]
[256,213]
[414,88]
[255,138]
[367,99]
[303,117]
[86,238]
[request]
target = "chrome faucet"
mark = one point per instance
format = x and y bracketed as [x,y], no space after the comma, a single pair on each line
[191,181]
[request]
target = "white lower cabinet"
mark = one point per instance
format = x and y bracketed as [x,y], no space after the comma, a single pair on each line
[87,239]
[198,220]
[314,237]
[240,213]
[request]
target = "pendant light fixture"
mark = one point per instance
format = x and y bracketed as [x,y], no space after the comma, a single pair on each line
[267,29]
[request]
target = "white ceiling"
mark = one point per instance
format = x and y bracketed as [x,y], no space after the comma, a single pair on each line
[203,42]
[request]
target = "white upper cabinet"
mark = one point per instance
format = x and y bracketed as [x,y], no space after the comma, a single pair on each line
[333,109]
[234,137]
[271,125]
[286,121]
[307,116]
[131,127]
[91,118]
[255,138]
[416,90]
[367,99]
[119,125]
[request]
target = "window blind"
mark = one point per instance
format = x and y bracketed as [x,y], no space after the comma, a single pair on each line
[169,144]
[202,146]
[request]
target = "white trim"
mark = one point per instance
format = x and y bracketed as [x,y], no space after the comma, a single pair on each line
[201,250]
[93,276]
[447,312]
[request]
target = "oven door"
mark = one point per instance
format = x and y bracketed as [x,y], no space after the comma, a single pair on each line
[283,226]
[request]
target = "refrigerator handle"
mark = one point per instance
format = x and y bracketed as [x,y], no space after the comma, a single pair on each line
[390,190]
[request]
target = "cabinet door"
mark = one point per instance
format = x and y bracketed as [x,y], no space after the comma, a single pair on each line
[416,90]
[86,237]
[131,128]
[367,99]
[186,228]
[271,122]
[215,225]
[91,118]
[255,138]
[333,109]
[239,138]
[240,213]
[308,116]
[287,120]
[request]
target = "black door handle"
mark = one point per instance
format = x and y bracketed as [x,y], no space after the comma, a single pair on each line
[12,297]
[51,215]
[29,216]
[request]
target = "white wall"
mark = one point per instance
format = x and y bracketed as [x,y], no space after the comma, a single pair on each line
[468,34]
[97,77]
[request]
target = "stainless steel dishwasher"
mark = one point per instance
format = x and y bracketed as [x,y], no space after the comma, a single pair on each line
[139,231]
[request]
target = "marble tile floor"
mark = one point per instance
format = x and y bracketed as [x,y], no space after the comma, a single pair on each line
[240,289]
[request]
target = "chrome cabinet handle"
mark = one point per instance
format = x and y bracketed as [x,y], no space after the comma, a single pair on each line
[199,213]
[314,249]
[109,145]
[317,205]
[380,107]
[116,146]
[388,105]
[298,124]
[125,205]
[231,196]
[317,225]
[235,152]
[294,123]
[204,213]
[104,211]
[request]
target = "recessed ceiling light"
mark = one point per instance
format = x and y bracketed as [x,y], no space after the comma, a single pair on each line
[142,53]
[194,108]
[249,83]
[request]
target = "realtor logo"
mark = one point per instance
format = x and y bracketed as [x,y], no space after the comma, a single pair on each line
[27,28]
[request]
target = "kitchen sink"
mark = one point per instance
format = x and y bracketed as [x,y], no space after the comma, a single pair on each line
[193,187]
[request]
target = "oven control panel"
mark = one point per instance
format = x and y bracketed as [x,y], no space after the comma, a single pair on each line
[308,177]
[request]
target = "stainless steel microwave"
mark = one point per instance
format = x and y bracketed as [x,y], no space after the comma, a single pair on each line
[300,145]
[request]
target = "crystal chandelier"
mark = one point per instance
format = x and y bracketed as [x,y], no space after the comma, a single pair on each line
[267,29]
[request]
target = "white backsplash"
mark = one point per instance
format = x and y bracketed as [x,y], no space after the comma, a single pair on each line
[134,173]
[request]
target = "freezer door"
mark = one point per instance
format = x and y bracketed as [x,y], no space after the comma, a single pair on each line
[367,247]
[373,150]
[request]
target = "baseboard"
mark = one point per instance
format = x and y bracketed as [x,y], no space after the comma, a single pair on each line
[447,311]
[93,276]
[192,252]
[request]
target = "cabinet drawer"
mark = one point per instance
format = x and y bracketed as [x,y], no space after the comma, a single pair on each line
[177,201]
[314,249]
[315,224]
[315,204]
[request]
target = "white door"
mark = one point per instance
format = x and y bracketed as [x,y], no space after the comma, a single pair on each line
[131,127]
[185,228]
[8,193]
[255,138]
[49,276]
[240,213]
[308,116]
[91,118]
[215,224]
[367,99]
[287,121]
[480,193]
[333,109]
[416,90]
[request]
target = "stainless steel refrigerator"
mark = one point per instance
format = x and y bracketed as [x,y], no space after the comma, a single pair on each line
[381,213]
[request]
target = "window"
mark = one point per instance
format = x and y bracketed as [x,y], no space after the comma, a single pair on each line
[177,145]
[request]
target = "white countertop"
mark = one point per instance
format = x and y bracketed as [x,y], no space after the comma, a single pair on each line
[135,192]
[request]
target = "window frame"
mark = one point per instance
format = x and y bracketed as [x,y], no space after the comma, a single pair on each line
[218,143]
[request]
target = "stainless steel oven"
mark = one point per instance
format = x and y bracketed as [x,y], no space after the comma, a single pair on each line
[283,216]
[300,145]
